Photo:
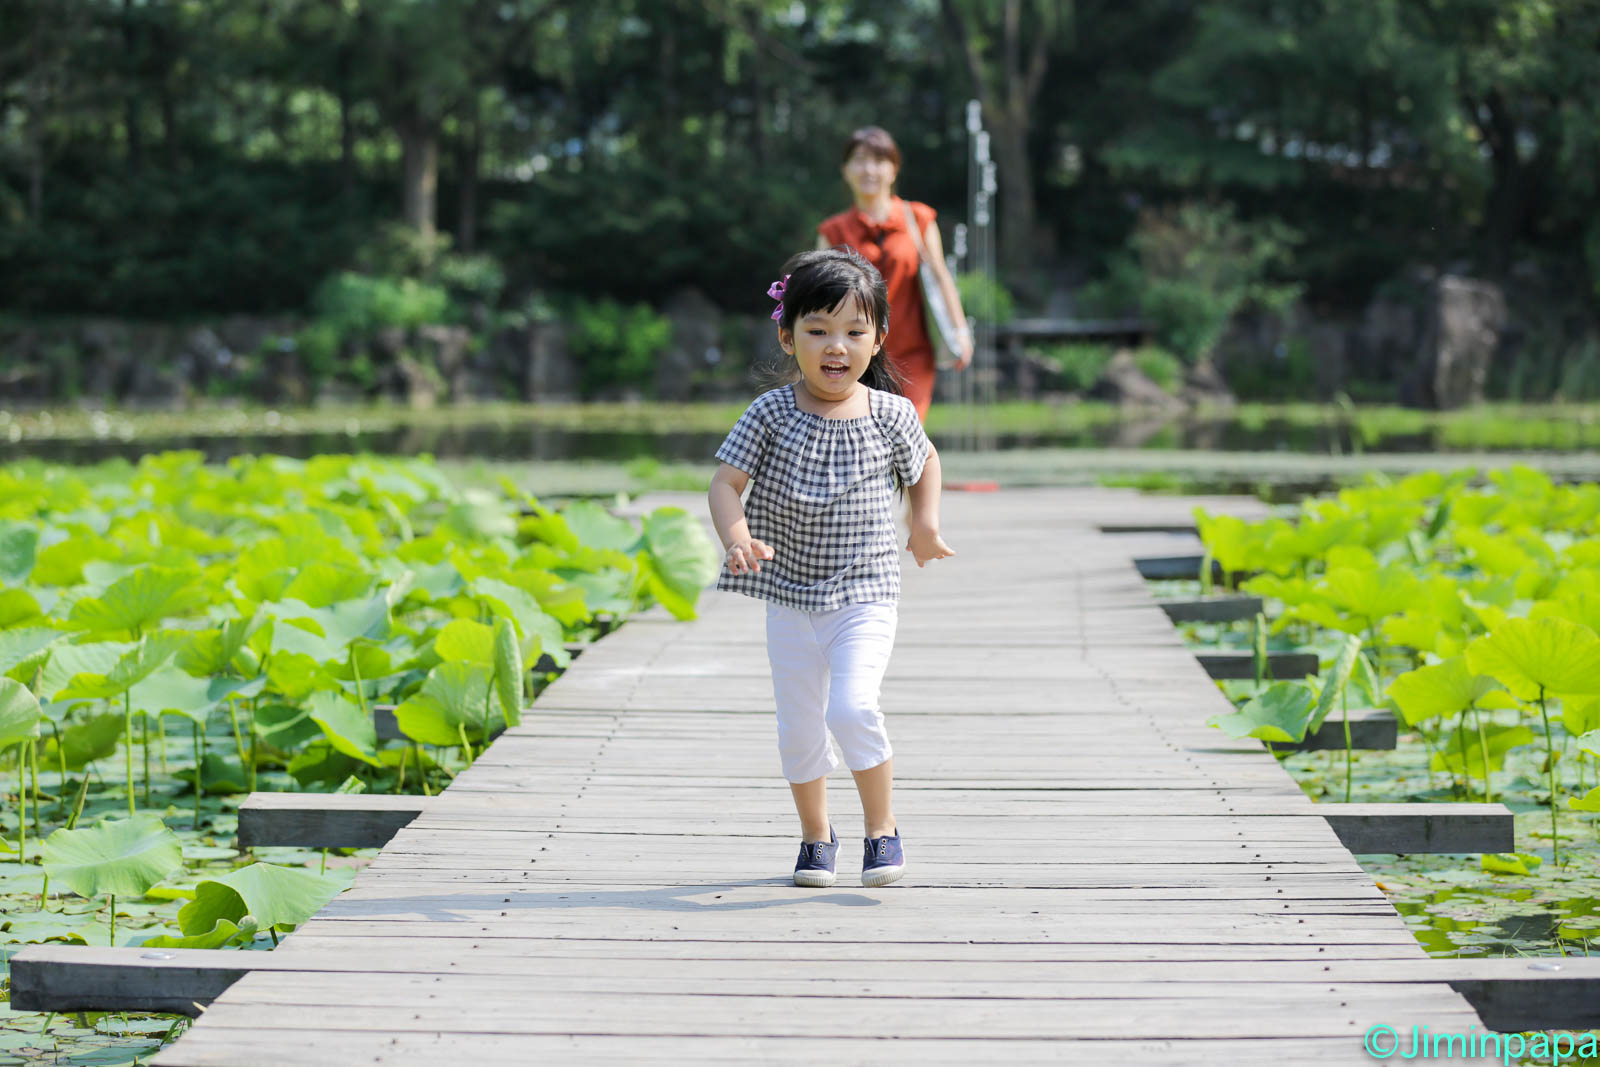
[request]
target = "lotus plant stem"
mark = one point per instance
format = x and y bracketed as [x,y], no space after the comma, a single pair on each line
[361,694]
[199,771]
[324,862]
[77,803]
[144,739]
[422,773]
[161,741]
[238,739]
[1349,747]
[405,753]
[113,941]
[33,777]
[273,933]
[22,803]
[251,771]
[1483,749]
[61,762]
[461,732]
[1461,743]
[127,748]
[1550,766]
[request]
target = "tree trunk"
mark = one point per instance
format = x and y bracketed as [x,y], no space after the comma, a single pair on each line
[36,97]
[469,152]
[130,105]
[1019,240]
[419,144]
[347,131]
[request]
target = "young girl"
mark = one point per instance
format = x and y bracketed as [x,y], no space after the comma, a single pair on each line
[817,541]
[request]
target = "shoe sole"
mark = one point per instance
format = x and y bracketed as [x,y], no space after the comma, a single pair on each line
[814,879]
[882,876]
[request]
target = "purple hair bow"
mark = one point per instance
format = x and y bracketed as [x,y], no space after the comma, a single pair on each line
[775,290]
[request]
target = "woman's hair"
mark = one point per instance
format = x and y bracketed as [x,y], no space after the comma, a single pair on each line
[876,140]
[823,279]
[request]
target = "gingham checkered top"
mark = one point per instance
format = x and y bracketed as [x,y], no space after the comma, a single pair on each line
[822,497]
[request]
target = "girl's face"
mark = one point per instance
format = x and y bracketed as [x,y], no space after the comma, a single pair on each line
[833,348]
[868,174]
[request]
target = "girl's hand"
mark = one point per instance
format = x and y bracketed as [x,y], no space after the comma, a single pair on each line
[745,556]
[926,544]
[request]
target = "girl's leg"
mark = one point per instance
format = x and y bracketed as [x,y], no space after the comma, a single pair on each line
[859,639]
[811,801]
[800,695]
[876,786]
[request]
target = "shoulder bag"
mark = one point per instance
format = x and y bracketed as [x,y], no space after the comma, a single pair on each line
[943,330]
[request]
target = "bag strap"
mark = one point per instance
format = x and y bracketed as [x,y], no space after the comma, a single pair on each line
[916,234]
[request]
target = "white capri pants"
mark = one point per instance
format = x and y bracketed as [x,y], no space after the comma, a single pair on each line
[827,667]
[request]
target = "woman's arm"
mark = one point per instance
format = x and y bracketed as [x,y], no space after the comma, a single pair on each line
[952,296]
[823,244]
[727,515]
[925,542]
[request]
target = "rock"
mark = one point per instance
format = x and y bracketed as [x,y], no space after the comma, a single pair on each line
[696,344]
[445,347]
[1465,318]
[1124,383]
[1326,343]
[1203,384]
[548,372]
[389,342]
[411,383]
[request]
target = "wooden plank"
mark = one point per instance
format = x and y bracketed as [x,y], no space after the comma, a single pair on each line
[1407,828]
[1242,666]
[1168,568]
[1370,729]
[1212,609]
[325,820]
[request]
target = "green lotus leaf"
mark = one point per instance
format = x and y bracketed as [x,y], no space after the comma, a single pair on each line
[320,764]
[557,597]
[454,696]
[226,932]
[131,668]
[1523,863]
[168,689]
[123,857]
[284,726]
[1497,741]
[83,742]
[507,601]
[348,730]
[19,607]
[508,671]
[480,515]
[1590,801]
[1333,686]
[682,558]
[139,601]
[466,641]
[1580,716]
[275,896]
[549,528]
[1589,741]
[25,646]
[19,546]
[1280,712]
[1445,688]
[322,584]
[296,675]
[1528,656]
[1369,593]
[20,714]
[597,528]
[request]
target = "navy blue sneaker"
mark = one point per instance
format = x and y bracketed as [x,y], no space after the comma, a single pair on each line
[884,862]
[814,868]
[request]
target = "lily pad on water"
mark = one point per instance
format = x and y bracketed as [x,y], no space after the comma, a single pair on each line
[122,857]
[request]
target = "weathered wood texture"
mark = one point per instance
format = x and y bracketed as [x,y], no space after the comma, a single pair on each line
[1213,609]
[1242,665]
[1093,875]
[324,820]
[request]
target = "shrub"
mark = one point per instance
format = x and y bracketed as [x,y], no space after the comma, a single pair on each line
[1160,366]
[356,305]
[615,344]
[981,294]
[1190,268]
[1080,364]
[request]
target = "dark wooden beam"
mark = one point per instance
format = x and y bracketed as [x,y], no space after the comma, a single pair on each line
[1282,666]
[325,820]
[1212,609]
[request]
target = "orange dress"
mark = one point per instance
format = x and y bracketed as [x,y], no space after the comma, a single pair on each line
[887,246]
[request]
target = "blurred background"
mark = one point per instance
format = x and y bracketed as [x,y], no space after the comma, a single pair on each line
[330,204]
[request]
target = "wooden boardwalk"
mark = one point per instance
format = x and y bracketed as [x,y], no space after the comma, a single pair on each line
[1093,874]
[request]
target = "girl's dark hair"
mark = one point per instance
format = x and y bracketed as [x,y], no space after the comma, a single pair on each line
[874,139]
[821,280]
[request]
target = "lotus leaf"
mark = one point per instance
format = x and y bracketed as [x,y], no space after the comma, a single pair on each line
[122,857]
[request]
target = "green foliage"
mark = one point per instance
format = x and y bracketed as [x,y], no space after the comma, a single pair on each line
[1080,364]
[1160,366]
[615,344]
[985,297]
[1190,268]
[121,857]
[357,305]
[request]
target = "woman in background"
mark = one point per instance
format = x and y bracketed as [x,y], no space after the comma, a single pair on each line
[877,228]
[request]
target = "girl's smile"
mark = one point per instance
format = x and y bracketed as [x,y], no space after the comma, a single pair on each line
[833,349]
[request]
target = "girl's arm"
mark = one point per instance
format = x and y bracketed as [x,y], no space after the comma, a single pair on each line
[727,515]
[925,542]
[952,296]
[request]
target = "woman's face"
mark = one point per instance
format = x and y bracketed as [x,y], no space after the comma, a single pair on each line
[867,173]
